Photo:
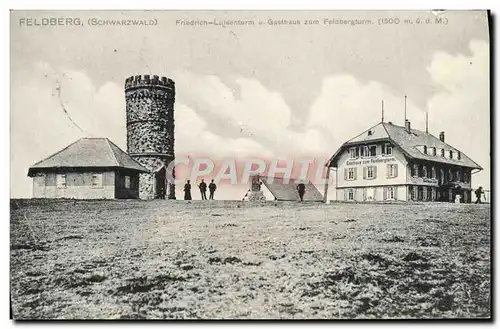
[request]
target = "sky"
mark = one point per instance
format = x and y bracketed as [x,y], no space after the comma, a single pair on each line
[269,90]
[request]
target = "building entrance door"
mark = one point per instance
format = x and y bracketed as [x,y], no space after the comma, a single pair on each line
[160,183]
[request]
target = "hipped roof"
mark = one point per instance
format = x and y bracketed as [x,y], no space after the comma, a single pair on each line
[407,143]
[88,153]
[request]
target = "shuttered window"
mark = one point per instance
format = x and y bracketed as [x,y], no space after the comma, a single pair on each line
[390,193]
[392,170]
[350,173]
[370,172]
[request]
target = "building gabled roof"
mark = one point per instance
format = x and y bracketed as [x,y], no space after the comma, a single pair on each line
[288,191]
[408,143]
[88,153]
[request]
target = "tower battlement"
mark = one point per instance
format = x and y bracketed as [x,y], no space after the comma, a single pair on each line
[148,81]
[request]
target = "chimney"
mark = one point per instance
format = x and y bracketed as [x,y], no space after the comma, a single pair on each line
[441,136]
[407,126]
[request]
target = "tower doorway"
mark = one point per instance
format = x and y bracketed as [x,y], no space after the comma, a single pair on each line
[161,183]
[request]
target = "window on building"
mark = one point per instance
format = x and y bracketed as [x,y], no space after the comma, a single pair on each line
[459,155]
[354,152]
[434,151]
[450,175]
[433,172]
[451,154]
[392,170]
[373,150]
[386,149]
[351,174]
[390,192]
[61,181]
[370,172]
[425,149]
[96,180]
[466,176]
[424,193]
[350,195]
[365,152]
[424,171]
[127,182]
[420,193]
[415,193]
[442,153]
[414,170]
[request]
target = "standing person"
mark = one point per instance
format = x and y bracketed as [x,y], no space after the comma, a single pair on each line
[301,188]
[212,187]
[203,189]
[187,191]
[478,192]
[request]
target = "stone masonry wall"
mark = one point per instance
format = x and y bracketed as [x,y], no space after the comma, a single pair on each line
[150,126]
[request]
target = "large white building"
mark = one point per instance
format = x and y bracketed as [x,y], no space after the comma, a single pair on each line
[390,162]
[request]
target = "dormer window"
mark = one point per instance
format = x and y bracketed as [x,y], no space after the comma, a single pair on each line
[425,149]
[442,153]
[434,151]
[459,155]
[451,154]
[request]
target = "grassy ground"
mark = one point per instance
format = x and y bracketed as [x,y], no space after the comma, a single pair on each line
[165,259]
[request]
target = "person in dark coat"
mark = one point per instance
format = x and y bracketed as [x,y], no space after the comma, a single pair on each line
[187,191]
[203,189]
[301,188]
[212,187]
[478,192]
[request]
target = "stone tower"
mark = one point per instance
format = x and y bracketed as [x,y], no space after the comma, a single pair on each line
[150,131]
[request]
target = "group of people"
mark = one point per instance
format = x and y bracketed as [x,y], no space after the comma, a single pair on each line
[301,189]
[203,190]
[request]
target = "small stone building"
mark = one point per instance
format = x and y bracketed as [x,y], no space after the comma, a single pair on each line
[90,168]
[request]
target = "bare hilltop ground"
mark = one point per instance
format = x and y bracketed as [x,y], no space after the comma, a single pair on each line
[214,260]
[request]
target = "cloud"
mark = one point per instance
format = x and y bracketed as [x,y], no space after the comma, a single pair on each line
[248,109]
[462,109]
[42,115]
[193,137]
